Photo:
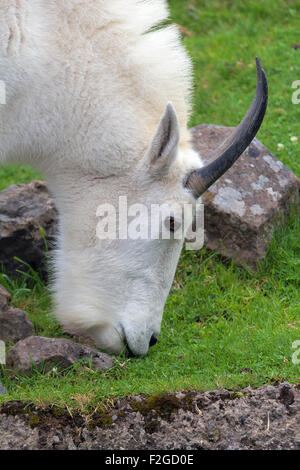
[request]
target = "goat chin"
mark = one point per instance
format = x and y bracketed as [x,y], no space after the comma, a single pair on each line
[107,338]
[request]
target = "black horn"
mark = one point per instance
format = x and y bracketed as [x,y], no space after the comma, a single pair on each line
[221,159]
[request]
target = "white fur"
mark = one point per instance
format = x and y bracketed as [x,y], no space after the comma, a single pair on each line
[86,88]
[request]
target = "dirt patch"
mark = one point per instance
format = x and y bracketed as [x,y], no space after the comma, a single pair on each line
[266,418]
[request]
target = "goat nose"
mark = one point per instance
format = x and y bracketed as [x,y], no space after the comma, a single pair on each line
[153,340]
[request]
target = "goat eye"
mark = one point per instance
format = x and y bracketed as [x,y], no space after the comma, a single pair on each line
[172,224]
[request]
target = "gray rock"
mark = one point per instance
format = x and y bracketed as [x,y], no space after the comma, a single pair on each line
[2,390]
[242,207]
[5,298]
[78,336]
[53,352]
[24,209]
[286,394]
[14,325]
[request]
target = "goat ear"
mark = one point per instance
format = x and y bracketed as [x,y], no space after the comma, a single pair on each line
[164,145]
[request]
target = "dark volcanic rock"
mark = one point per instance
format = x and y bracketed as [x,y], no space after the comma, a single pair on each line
[15,325]
[286,394]
[53,352]
[24,210]
[5,298]
[242,207]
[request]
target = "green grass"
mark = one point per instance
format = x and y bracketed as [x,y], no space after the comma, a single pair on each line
[225,327]
[16,174]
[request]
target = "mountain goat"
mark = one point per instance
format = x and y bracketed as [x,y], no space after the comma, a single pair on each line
[91,93]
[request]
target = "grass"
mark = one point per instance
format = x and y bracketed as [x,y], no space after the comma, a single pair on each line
[223,326]
[16,174]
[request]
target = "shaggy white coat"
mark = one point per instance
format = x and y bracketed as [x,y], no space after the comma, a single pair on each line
[87,85]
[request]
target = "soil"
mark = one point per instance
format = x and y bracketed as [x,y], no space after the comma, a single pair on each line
[266,418]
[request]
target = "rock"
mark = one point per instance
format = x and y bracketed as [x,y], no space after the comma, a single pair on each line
[24,209]
[242,207]
[5,298]
[78,336]
[286,394]
[2,390]
[53,352]
[14,325]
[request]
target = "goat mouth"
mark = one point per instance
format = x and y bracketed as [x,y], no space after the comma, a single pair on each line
[128,351]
